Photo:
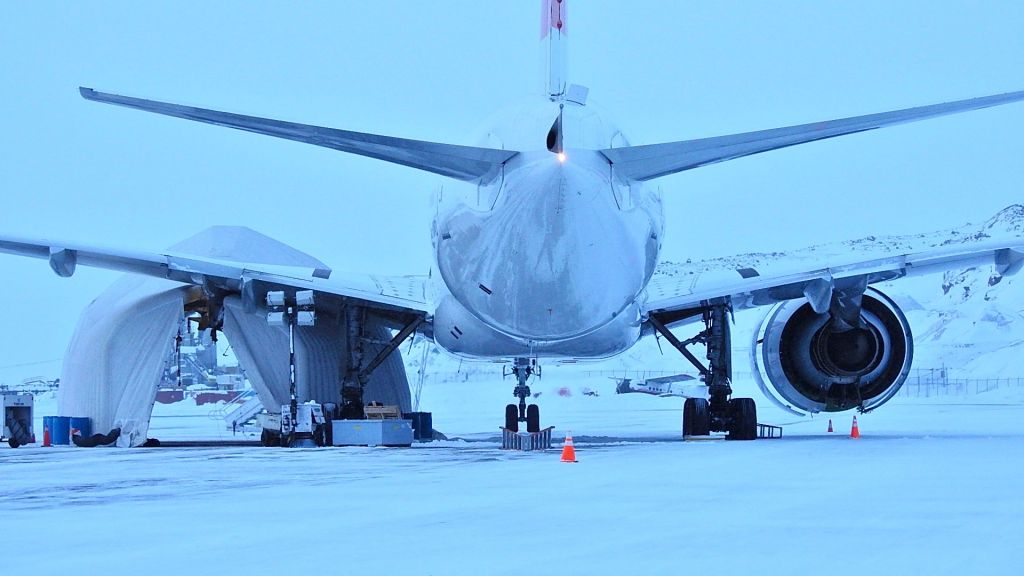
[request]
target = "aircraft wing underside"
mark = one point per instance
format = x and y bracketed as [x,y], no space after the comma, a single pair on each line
[403,294]
[670,296]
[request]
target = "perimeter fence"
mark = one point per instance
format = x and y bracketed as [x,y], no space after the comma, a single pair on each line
[921,383]
[926,383]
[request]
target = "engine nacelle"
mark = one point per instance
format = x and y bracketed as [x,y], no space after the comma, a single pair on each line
[810,368]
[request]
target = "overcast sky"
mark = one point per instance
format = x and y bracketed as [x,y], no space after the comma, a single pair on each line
[666,70]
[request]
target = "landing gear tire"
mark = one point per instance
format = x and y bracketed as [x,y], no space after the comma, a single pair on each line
[696,417]
[512,418]
[268,438]
[744,419]
[13,442]
[533,418]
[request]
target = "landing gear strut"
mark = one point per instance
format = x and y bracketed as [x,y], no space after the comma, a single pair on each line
[522,370]
[357,376]
[720,412]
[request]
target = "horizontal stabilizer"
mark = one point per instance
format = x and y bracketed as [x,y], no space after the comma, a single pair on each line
[656,160]
[459,162]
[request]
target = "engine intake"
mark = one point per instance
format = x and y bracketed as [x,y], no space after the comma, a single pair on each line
[806,366]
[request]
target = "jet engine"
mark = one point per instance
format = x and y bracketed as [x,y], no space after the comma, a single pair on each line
[806,363]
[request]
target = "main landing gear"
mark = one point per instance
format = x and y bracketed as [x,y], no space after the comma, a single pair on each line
[720,412]
[357,376]
[523,368]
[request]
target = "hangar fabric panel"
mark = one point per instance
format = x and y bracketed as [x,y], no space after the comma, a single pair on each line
[118,353]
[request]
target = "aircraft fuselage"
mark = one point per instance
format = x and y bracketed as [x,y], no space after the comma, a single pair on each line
[552,257]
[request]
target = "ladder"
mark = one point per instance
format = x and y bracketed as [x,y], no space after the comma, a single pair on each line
[239,413]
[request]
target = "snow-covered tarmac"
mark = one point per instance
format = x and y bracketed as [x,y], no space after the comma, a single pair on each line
[932,487]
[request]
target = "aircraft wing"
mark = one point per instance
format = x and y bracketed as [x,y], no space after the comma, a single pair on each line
[670,297]
[670,379]
[460,162]
[657,160]
[404,294]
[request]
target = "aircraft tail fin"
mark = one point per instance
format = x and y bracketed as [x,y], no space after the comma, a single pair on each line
[555,47]
[460,162]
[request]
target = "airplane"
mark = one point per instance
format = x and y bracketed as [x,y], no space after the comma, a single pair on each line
[546,241]
[675,385]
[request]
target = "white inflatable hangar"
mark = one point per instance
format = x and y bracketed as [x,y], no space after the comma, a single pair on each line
[124,338]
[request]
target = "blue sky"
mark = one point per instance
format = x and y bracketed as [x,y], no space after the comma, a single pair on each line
[434,70]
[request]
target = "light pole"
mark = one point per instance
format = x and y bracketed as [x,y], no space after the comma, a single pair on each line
[291,312]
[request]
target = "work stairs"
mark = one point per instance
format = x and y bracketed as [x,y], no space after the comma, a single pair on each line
[240,411]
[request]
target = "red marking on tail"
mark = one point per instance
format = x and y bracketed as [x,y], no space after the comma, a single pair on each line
[553,15]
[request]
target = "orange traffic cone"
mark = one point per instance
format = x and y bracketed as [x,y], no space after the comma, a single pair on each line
[568,451]
[46,437]
[830,425]
[855,431]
